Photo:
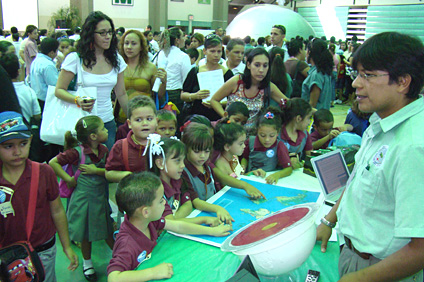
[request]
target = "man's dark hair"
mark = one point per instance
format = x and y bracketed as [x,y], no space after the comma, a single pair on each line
[404,57]
[261,41]
[294,47]
[10,63]
[280,27]
[192,53]
[42,32]
[247,39]
[49,44]
[322,115]
[332,39]
[29,29]
[14,29]
[233,42]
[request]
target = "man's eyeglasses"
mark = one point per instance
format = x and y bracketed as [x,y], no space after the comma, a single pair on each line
[355,74]
[104,32]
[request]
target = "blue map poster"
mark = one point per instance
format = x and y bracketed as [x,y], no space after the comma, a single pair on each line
[245,210]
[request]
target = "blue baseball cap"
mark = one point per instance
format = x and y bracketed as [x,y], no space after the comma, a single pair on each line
[12,126]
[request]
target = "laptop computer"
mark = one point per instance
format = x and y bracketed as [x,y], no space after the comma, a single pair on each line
[332,173]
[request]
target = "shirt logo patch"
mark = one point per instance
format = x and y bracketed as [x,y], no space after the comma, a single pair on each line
[270,153]
[380,155]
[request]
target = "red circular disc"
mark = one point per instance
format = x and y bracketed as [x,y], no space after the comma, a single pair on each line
[269,226]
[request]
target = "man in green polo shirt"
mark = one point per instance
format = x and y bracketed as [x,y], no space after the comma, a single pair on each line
[380,212]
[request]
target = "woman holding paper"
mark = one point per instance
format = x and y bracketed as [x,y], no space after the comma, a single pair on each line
[191,89]
[253,88]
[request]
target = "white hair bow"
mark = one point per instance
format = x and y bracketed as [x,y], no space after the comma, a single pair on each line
[155,148]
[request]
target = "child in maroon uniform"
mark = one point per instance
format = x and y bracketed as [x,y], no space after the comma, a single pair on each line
[141,196]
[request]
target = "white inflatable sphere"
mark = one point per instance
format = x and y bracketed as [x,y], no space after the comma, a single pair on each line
[258,21]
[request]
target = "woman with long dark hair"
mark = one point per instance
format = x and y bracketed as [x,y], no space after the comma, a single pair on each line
[317,87]
[102,67]
[279,75]
[254,88]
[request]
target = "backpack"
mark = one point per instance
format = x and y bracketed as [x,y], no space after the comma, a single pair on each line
[64,191]
[21,260]
[346,139]
[296,84]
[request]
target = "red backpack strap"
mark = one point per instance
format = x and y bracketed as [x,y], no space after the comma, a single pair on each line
[33,193]
[125,153]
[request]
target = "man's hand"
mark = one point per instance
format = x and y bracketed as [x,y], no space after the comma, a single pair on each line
[323,235]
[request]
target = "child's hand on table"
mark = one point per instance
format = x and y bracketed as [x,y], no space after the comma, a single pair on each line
[223,215]
[221,230]
[211,221]
[273,178]
[259,172]
[163,270]
[253,192]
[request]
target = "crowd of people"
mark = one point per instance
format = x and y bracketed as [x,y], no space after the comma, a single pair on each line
[259,122]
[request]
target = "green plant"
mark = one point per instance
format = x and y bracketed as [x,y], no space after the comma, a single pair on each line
[69,14]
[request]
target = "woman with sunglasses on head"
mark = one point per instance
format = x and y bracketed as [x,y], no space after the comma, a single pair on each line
[253,88]
[102,67]
[317,87]
[191,89]
[140,74]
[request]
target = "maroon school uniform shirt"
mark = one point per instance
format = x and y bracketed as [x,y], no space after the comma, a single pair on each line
[315,136]
[300,135]
[130,243]
[137,162]
[12,228]
[71,156]
[175,190]
[282,152]
[196,173]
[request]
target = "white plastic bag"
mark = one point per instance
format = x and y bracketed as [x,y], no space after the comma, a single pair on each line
[60,116]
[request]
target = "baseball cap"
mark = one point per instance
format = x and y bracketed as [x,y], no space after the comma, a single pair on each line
[12,126]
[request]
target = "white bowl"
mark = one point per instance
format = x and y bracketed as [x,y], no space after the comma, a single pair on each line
[283,243]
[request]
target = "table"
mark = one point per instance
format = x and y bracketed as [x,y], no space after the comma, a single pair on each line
[194,261]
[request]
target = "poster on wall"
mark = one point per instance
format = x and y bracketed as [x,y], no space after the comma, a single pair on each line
[123,2]
[204,1]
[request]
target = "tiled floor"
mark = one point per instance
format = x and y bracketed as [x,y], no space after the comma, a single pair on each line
[101,253]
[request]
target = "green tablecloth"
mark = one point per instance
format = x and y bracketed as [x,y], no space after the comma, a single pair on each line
[194,261]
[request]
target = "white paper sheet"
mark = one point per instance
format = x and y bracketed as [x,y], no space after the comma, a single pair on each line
[210,80]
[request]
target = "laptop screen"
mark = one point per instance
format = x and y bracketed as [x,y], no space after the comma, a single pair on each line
[332,171]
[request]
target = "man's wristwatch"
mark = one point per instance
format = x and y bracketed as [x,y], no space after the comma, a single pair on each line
[326,222]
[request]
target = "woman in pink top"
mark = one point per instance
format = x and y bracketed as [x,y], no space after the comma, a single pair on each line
[252,88]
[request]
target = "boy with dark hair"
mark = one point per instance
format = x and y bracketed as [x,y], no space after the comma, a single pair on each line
[380,211]
[142,121]
[141,196]
[234,53]
[15,181]
[30,48]
[43,70]
[324,131]
[167,123]
[193,53]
